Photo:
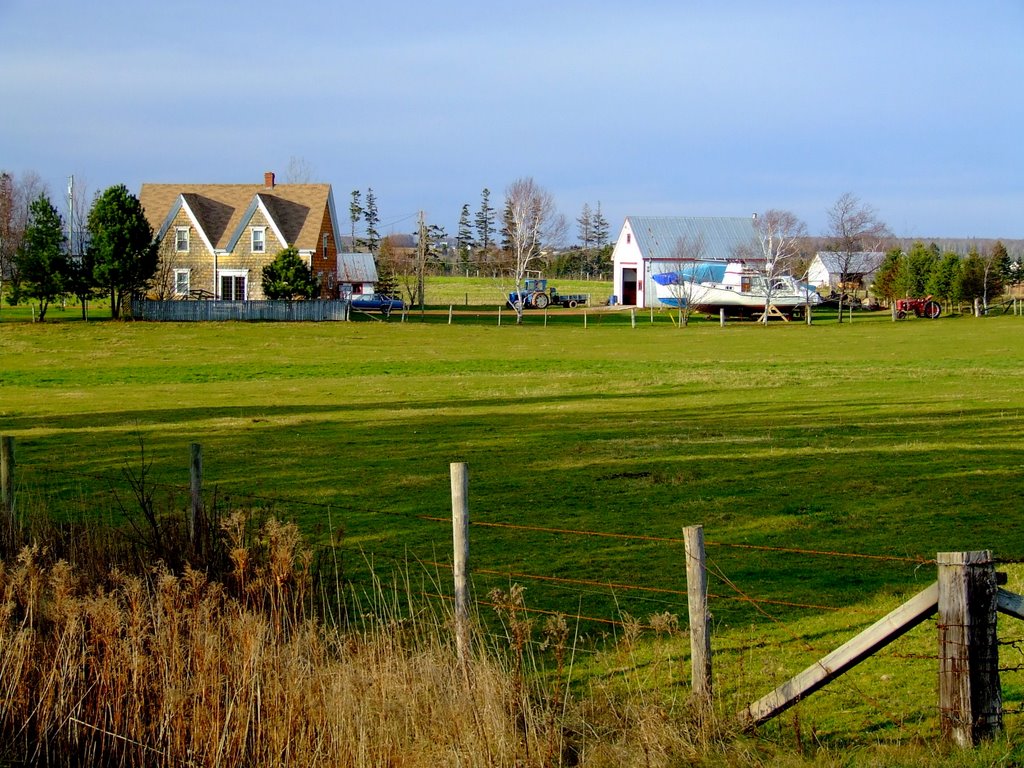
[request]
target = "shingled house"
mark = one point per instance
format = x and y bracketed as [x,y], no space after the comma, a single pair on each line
[215,239]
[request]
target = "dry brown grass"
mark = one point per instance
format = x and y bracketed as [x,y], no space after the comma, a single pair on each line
[169,669]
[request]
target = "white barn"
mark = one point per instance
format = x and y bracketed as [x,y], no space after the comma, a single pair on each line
[647,245]
[826,268]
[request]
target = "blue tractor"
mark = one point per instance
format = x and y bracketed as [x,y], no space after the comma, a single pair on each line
[536,295]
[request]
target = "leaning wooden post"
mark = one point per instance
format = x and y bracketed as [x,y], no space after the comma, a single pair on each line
[460,559]
[7,478]
[970,698]
[195,471]
[700,620]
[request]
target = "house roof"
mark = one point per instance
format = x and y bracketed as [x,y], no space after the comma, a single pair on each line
[860,262]
[221,211]
[356,268]
[724,237]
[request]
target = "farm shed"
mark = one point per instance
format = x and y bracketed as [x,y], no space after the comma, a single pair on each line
[649,245]
[215,239]
[827,268]
[357,273]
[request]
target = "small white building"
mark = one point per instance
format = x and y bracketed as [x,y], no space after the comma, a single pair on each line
[649,245]
[357,274]
[828,268]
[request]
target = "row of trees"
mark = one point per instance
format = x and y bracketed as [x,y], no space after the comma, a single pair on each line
[949,277]
[118,257]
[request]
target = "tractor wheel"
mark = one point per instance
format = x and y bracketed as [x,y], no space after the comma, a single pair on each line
[932,310]
[517,305]
[572,304]
[900,314]
[541,300]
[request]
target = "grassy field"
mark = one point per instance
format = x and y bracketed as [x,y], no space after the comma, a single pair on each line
[889,440]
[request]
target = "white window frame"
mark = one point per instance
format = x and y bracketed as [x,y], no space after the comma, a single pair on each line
[178,231]
[262,232]
[178,275]
[234,274]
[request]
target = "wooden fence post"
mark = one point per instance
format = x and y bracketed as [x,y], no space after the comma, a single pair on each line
[7,478]
[460,559]
[195,470]
[697,600]
[721,316]
[970,698]
[632,317]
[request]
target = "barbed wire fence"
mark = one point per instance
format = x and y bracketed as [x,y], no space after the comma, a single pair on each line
[108,496]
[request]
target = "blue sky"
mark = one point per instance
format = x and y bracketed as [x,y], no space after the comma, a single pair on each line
[650,108]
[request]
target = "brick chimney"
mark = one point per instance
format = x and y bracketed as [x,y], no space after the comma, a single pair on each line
[268,179]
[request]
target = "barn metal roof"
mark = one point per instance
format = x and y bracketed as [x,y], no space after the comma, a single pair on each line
[724,237]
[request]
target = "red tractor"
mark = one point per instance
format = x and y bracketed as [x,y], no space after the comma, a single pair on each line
[926,307]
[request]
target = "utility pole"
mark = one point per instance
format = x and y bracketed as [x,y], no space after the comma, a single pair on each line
[421,259]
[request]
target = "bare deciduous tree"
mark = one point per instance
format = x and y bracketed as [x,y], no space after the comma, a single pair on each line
[299,171]
[16,196]
[854,228]
[686,275]
[533,223]
[778,236]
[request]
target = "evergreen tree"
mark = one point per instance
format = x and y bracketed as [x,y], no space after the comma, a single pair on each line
[372,219]
[1001,262]
[484,221]
[585,222]
[919,265]
[355,213]
[600,226]
[42,259]
[124,253]
[287,277]
[464,239]
[970,282]
[890,281]
[80,281]
[945,277]
[507,226]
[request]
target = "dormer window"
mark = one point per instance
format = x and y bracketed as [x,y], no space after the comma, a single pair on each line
[181,239]
[259,239]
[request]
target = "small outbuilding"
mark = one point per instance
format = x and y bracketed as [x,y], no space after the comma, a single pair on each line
[357,274]
[857,270]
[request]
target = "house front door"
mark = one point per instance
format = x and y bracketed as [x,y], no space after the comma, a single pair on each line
[232,287]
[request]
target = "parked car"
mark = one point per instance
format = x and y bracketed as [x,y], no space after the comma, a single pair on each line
[376,302]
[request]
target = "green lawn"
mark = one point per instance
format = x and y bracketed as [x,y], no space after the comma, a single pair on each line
[891,440]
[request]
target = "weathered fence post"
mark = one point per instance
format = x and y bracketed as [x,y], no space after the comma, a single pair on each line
[632,317]
[449,314]
[721,316]
[499,315]
[970,699]
[7,478]
[460,559]
[195,470]
[697,600]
